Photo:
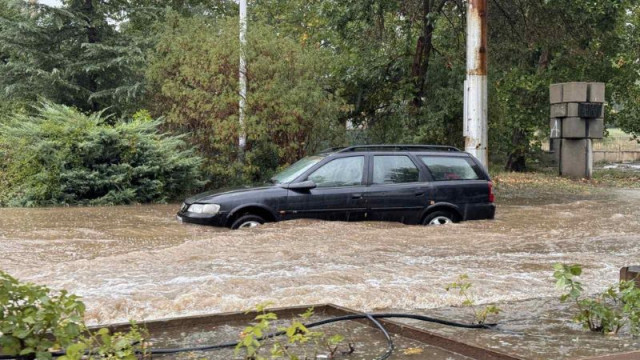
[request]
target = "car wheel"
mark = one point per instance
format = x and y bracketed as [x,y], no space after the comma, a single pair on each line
[438,218]
[247,221]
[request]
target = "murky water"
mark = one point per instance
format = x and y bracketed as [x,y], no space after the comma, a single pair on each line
[139,262]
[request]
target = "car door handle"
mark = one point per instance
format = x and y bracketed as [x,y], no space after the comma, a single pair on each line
[420,193]
[356,196]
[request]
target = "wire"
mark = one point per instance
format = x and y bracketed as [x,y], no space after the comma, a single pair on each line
[371,317]
[386,334]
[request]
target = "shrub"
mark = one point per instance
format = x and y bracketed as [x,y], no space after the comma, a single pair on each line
[32,319]
[62,156]
[253,339]
[463,285]
[35,320]
[607,312]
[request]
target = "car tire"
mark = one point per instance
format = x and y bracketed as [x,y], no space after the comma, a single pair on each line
[439,218]
[247,221]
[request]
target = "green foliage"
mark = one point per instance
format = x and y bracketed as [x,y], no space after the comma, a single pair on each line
[463,285]
[607,312]
[61,156]
[130,345]
[399,65]
[625,100]
[537,43]
[254,337]
[33,319]
[194,75]
[394,69]
[70,55]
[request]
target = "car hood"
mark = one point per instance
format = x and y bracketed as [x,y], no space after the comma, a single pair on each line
[228,194]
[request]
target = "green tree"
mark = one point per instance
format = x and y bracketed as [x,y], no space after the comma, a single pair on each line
[534,44]
[71,55]
[193,77]
[399,64]
[626,96]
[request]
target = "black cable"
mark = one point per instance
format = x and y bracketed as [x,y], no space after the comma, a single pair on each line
[386,334]
[372,317]
[332,320]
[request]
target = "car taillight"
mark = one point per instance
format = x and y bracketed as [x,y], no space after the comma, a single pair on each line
[492,196]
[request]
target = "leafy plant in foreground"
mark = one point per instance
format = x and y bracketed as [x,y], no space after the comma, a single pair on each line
[34,321]
[103,345]
[607,312]
[462,284]
[297,335]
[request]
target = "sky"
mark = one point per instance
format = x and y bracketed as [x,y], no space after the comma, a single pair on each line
[51,2]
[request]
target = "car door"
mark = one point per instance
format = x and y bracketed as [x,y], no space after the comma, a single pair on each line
[458,181]
[398,190]
[338,195]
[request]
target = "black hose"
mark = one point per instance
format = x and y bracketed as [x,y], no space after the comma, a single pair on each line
[332,320]
[371,317]
[386,334]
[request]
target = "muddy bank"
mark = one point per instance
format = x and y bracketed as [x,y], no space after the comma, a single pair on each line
[139,262]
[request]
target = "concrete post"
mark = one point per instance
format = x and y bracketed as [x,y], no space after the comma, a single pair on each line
[577,117]
[475,129]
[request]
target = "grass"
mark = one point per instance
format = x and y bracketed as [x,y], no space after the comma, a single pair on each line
[616,140]
[616,178]
[547,183]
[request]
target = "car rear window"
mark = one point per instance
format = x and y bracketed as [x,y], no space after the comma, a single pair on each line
[450,168]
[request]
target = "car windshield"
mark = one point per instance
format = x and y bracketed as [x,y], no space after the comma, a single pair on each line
[289,174]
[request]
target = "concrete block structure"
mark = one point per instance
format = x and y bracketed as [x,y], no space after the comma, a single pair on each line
[577,117]
[555,94]
[576,159]
[575,92]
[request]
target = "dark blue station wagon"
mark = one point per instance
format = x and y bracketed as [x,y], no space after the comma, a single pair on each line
[412,184]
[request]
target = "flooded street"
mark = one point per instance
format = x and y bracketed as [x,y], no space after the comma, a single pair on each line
[139,262]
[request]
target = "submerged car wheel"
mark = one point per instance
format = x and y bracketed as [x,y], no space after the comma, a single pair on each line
[438,218]
[247,221]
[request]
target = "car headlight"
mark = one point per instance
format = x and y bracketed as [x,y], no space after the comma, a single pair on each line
[210,209]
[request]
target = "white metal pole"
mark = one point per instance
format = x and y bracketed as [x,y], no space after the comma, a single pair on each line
[242,137]
[476,95]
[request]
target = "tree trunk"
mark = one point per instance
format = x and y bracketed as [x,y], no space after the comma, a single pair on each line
[517,160]
[422,56]
[424,48]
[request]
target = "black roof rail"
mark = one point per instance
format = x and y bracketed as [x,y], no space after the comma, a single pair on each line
[398,147]
[331,149]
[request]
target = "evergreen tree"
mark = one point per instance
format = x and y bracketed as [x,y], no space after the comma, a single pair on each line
[71,55]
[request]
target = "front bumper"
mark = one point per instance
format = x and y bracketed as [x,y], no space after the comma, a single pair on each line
[219,219]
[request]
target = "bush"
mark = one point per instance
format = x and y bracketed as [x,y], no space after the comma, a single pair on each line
[61,156]
[607,312]
[32,319]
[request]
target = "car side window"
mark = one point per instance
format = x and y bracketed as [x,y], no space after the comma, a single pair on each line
[450,168]
[339,172]
[394,169]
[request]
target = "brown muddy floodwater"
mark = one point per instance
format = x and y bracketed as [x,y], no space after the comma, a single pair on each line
[139,262]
